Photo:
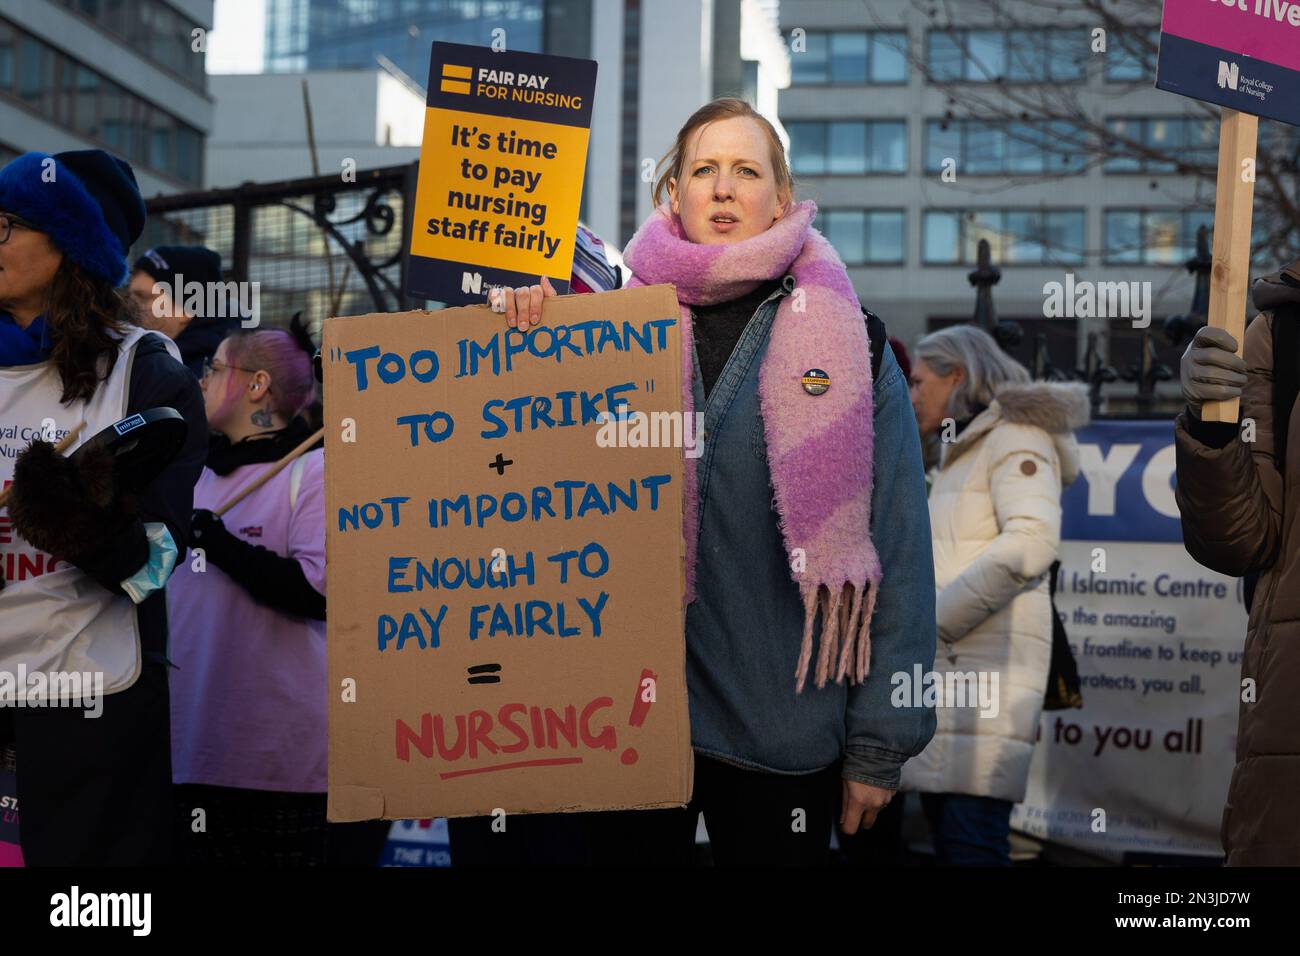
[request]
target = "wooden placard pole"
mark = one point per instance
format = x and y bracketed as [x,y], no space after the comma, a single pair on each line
[1233,207]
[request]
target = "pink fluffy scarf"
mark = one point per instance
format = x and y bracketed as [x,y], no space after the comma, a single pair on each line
[819,447]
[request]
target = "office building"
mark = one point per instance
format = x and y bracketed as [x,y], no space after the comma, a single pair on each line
[125,77]
[910,173]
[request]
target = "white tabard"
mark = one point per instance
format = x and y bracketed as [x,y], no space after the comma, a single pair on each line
[54,617]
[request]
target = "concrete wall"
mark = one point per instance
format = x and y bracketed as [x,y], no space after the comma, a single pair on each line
[676,78]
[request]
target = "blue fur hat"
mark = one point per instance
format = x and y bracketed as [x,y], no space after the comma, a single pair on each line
[86,201]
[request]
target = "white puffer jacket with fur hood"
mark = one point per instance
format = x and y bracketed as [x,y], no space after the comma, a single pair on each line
[995,517]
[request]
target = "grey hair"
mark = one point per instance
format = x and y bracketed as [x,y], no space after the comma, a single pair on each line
[976,352]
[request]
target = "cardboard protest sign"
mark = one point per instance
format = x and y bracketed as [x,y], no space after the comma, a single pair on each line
[501,168]
[505,591]
[1245,56]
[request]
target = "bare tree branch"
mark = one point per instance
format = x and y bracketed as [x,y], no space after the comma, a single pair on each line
[1131,30]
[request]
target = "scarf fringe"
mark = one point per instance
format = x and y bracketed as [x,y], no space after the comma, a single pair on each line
[846,634]
[850,639]
[831,625]
[805,649]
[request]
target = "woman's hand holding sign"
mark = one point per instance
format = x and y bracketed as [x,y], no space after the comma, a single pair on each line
[522,306]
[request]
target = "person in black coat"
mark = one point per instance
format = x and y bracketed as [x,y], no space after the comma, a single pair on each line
[160,280]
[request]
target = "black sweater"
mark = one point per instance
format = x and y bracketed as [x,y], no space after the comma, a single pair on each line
[269,578]
[717,329]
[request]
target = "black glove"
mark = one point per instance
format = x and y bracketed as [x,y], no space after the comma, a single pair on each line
[205,523]
[269,578]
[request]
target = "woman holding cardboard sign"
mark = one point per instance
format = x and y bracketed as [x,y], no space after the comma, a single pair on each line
[808,543]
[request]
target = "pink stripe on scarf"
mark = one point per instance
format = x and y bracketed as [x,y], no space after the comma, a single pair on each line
[823,468]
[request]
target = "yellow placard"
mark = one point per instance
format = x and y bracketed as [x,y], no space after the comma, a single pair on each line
[504,194]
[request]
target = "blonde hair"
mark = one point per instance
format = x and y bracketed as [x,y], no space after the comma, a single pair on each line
[728,107]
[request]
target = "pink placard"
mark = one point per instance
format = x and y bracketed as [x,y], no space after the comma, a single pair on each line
[1255,31]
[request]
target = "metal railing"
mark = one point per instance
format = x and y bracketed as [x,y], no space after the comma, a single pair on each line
[322,245]
[1153,351]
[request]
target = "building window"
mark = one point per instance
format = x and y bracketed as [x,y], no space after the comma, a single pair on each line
[1193,141]
[1055,55]
[35,85]
[851,148]
[342,34]
[851,59]
[1131,57]
[998,147]
[1278,141]
[1167,237]
[153,29]
[7,58]
[864,236]
[1016,236]
[72,95]
[1153,237]
[81,87]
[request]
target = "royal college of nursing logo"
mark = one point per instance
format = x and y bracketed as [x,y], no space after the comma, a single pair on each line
[1230,78]
[1227,75]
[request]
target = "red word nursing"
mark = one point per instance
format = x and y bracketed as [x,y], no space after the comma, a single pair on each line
[21,565]
[516,728]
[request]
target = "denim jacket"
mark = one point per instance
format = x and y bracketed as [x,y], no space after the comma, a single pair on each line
[744,629]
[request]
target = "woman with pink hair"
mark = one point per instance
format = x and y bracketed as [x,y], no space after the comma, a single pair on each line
[247,615]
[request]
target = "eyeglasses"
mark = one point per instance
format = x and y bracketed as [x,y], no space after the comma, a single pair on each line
[210,366]
[7,223]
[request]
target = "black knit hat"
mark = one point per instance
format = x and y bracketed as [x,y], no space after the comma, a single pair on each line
[194,263]
[111,182]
